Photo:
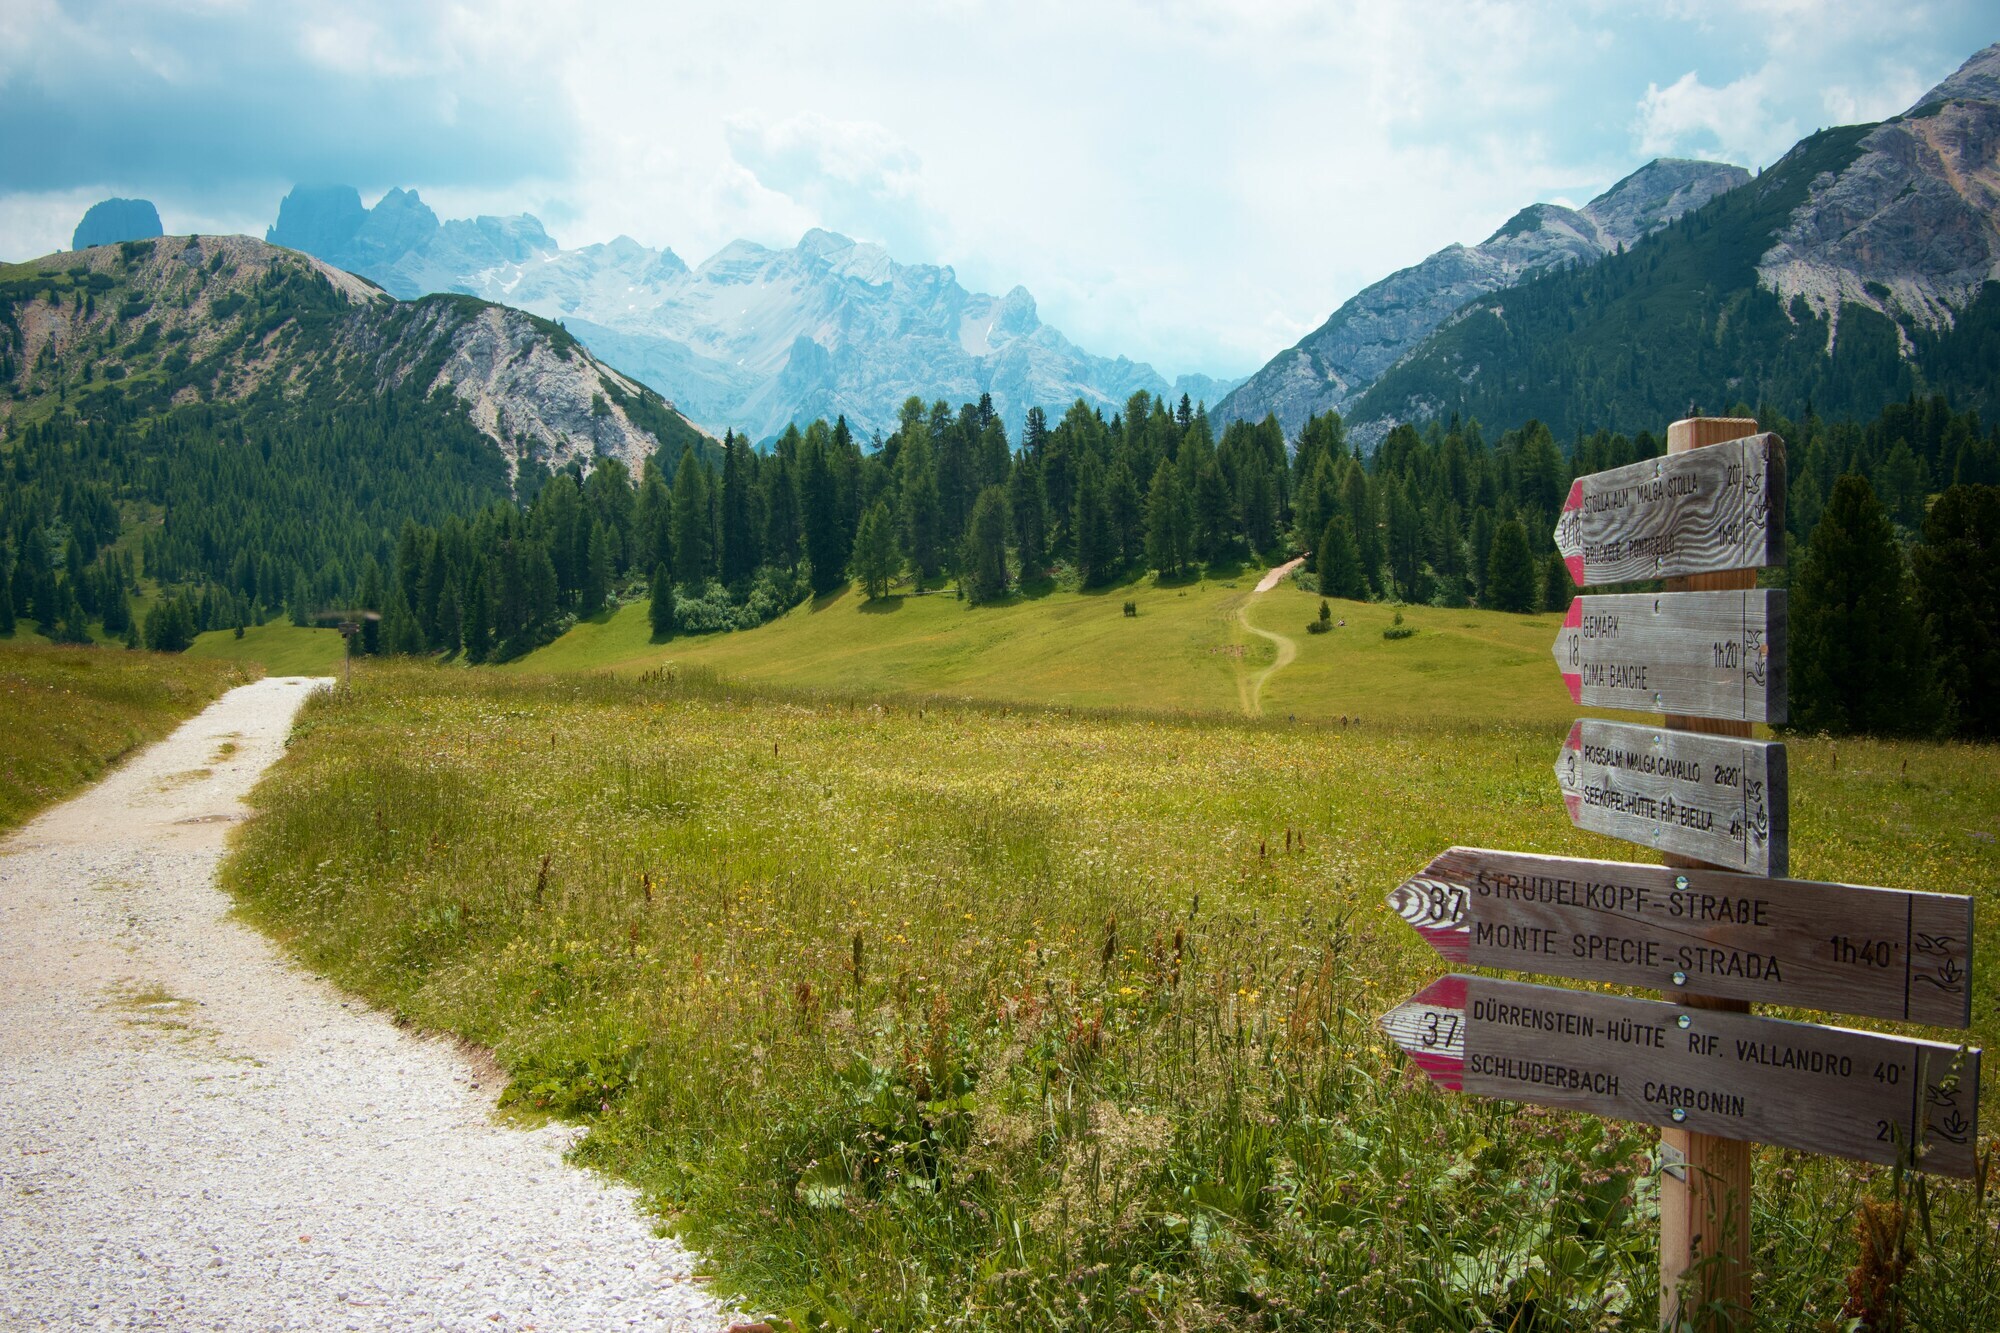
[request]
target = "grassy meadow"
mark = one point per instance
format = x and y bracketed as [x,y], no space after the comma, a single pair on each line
[1189,648]
[935,1015]
[68,713]
[279,647]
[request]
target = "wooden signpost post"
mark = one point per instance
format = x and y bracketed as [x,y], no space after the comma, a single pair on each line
[1718,926]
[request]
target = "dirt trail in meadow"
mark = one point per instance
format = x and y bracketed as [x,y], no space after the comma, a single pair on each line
[1250,689]
[195,1133]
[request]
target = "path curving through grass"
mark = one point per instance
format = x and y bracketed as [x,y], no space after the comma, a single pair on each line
[1250,689]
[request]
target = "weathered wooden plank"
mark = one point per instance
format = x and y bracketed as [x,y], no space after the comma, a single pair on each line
[1712,654]
[1722,507]
[1736,1076]
[1717,798]
[1846,948]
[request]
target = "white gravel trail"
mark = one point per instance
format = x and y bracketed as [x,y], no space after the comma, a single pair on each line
[197,1134]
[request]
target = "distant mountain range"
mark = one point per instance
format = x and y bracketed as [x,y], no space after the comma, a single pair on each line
[1862,267]
[1858,269]
[754,338]
[183,320]
[1339,360]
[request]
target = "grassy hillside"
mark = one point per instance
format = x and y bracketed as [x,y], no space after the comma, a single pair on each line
[1189,649]
[280,649]
[66,714]
[1002,1018]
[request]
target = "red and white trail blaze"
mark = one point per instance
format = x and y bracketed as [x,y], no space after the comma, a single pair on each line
[1430,1026]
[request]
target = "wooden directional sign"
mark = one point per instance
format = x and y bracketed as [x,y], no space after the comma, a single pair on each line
[1709,654]
[1715,798]
[1735,1076]
[1710,509]
[1885,953]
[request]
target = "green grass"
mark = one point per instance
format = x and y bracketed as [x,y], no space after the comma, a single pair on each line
[281,648]
[1186,650]
[67,714]
[922,1015]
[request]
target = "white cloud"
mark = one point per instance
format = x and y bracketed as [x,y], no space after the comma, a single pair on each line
[1734,122]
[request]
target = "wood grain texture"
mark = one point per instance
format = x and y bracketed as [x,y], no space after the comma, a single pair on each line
[1714,654]
[1716,508]
[1735,1076]
[1844,948]
[1717,798]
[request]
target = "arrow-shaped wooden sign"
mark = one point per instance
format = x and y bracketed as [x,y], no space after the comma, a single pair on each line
[1714,798]
[1884,953]
[1709,654]
[1722,507]
[1736,1076]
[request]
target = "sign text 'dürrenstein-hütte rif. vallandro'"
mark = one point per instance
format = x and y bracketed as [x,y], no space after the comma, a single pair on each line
[1736,1076]
[1712,654]
[1708,510]
[1845,948]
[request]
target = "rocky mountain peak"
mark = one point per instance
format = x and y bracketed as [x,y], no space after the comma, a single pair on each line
[1977,80]
[1656,194]
[113,220]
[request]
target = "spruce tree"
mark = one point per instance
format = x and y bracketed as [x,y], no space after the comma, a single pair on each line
[819,502]
[1557,590]
[1214,515]
[985,559]
[693,541]
[923,515]
[876,559]
[1340,561]
[660,612]
[1958,593]
[739,533]
[596,572]
[1859,659]
[1169,521]
[1029,509]
[1096,543]
[1510,573]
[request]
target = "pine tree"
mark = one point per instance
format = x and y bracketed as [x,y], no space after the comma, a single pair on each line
[1029,508]
[401,634]
[985,559]
[1958,593]
[923,515]
[1214,515]
[302,608]
[1858,653]
[1340,561]
[1510,574]
[1557,590]
[1096,543]
[694,548]
[596,572]
[819,502]
[739,533]
[660,612]
[876,559]
[478,619]
[1169,521]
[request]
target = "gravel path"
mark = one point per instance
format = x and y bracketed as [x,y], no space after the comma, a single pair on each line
[197,1134]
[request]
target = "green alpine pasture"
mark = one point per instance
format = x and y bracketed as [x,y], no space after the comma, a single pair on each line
[281,649]
[1192,647]
[921,1014]
[67,714]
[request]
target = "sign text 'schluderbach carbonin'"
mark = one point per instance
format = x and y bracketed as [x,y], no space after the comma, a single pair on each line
[1709,654]
[1735,1076]
[1884,953]
[1700,512]
[1715,798]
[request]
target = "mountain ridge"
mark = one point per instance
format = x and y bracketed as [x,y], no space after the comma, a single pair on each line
[1377,326]
[727,339]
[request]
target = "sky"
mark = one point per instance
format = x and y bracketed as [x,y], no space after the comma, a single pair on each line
[1195,183]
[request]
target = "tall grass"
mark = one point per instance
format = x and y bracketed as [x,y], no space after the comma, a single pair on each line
[66,714]
[921,1016]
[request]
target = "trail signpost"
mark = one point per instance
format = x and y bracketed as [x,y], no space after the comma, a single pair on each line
[1845,948]
[1718,926]
[1719,654]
